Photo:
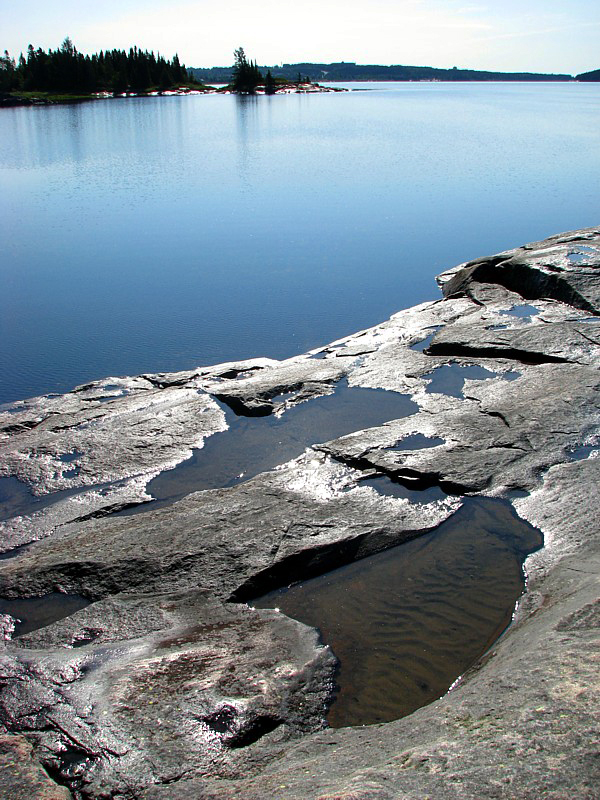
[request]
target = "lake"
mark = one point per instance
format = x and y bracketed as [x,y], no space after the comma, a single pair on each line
[159,234]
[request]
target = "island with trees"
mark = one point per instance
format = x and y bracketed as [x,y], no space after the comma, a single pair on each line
[66,75]
[247,78]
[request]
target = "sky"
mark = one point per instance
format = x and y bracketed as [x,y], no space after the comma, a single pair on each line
[508,35]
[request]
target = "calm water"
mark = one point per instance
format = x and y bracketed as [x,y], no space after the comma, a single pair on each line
[251,445]
[33,613]
[164,233]
[406,623]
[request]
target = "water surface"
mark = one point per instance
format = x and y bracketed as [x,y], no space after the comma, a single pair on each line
[33,613]
[406,623]
[159,234]
[252,445]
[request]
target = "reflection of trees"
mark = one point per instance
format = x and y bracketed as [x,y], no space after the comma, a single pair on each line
[247,108]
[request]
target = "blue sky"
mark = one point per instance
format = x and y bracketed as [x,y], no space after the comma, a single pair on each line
[535,35]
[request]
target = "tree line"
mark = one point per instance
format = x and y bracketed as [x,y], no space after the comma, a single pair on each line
[350,71]
[65,70]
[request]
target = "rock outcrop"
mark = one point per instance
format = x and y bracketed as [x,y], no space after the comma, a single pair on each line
[167,685]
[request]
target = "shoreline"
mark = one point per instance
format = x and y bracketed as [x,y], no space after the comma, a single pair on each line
[15,99]
[527,705]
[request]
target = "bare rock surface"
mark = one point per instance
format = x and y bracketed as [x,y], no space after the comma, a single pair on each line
[21,775]
[562,267]
[234,542]
[523,723]
[167,685]
[143,689]
[561,342]
[490,441]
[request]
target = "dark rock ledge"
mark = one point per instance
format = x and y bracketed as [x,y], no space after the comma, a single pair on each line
[163,688]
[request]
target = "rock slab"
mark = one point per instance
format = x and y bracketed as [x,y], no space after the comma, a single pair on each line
[168,685]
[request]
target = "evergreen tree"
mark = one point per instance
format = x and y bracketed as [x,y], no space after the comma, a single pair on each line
[7,72]
[269,83]
[246,75]
[66,70]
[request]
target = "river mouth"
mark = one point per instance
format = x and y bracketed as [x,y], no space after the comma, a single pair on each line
[406,623]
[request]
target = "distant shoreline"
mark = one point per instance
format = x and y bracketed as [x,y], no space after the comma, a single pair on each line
[350,71]
[65,75]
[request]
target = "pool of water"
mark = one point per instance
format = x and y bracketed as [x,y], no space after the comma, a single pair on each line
[583,451]
[33,613]
[525,310]
[449,379]
[406,623]
[255,444]
[391,488]
[421,346]
[582,254]
[16,498]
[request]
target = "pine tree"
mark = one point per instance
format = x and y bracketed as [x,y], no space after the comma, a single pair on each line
[7,72]
[269,83]
[67,70]
[246,75]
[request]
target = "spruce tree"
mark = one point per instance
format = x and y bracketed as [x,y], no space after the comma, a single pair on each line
[7,72]
[269,83]
[67,70]
[246,75]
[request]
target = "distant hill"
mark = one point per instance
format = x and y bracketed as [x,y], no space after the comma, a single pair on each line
[589,76]
[349,71]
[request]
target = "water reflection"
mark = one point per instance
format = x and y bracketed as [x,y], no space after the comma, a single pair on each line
[252,445]
[248,126]
[157,234]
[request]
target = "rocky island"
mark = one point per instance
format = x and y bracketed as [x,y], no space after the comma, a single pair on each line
[146,671]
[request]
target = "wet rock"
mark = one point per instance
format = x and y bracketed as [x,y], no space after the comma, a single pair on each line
[132,433]
[521,724]
[558,342]
[499,437]
[22,776]
[63,507]
[544,269]
[285,525]
[261,394]
[167,686]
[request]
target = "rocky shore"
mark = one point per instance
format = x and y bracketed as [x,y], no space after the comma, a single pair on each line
[12,99]
[169,685]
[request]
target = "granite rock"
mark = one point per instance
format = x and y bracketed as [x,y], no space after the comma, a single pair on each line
[168,685]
